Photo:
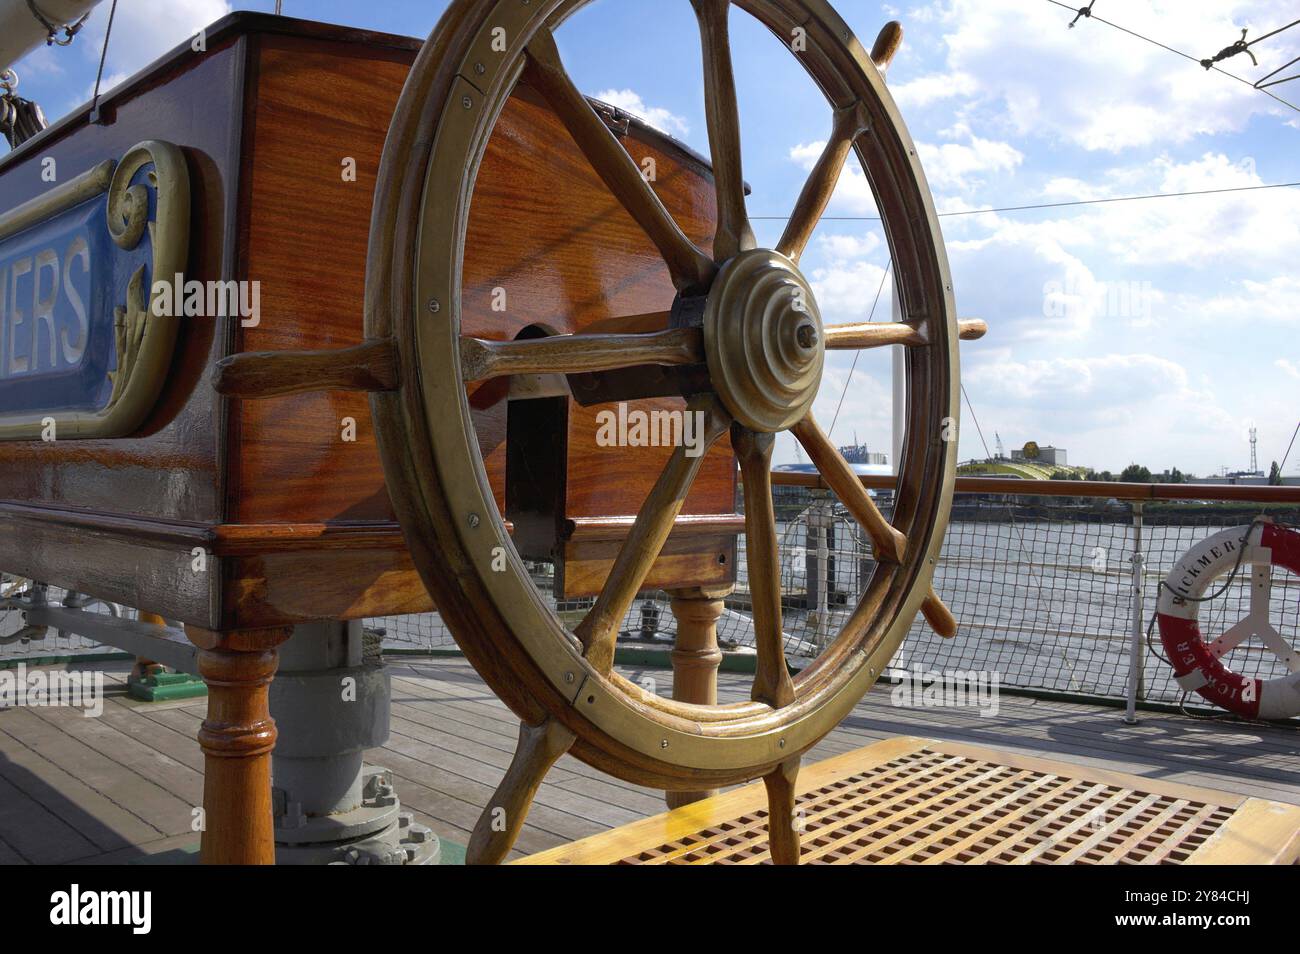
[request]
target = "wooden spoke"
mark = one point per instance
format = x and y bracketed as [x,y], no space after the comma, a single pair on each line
[540,747]
[939,616]
[254,375]
[578,354]
[690,268]
[772,684]
[888,40]
[887,542]
[782,833]
[599,628]
[878,334]
[723,115]
[850,123]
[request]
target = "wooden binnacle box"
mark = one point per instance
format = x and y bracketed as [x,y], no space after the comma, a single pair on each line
[247,170]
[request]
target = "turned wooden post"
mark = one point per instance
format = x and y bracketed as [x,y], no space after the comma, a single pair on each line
[696,657]
[237,737]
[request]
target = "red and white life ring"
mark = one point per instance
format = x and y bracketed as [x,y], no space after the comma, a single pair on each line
[1197,665]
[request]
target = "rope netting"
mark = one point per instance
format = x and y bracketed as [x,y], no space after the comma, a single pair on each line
[1043,589]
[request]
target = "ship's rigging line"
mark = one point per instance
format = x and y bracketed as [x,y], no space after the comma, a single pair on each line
[1053,205]
[1186,56]
[1281,468]
[856,353]
[103,56]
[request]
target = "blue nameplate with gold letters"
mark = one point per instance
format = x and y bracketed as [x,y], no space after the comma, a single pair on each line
[81,353]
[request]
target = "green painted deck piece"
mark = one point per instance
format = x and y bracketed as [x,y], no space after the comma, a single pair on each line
[166,687]
[453,852]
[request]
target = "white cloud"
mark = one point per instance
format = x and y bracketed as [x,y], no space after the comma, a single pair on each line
[1274,300]
[1101,89]
[1259,229]
[1107,410]
[143,30]
[843,247]
[845,292]
[955,165]
[630,101]
[925,90]
[959,166]
[1288,367]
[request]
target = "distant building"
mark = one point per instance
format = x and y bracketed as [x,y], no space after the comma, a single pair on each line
[858,454]
[1031,462]
[1034,454]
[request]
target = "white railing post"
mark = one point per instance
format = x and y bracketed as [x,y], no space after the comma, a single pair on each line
[1137,654]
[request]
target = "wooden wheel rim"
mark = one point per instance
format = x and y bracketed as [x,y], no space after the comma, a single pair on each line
[436,476]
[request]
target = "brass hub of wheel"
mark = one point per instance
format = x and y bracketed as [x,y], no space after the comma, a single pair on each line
[763,340]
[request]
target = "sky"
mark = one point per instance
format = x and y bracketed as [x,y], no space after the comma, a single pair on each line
[1157,332]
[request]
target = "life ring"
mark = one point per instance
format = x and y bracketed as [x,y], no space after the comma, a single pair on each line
[1198,666]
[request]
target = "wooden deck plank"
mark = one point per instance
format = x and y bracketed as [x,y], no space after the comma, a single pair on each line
[452,740]
[139,797]
[487,713]
[8,856]
[131,752]
[135,721]
[34,832]
[590,808]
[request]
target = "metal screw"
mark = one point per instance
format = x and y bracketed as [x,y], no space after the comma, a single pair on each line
[467,102]
[781,743]
[568,677]
[480,69]
[435,306]
[473,521]
[663,744]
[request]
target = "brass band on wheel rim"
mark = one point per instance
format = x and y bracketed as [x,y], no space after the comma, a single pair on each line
[436,477]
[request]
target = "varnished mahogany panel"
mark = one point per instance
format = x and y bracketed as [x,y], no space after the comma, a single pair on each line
[297,518]
[305,233]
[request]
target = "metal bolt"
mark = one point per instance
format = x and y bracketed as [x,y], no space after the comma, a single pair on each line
[435,306]
[480,69]
[807,336]
[781,743]
[474,521]
[467,102]
[568,677]
[663,743]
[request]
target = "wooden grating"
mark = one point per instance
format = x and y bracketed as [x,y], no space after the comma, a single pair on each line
[915,801]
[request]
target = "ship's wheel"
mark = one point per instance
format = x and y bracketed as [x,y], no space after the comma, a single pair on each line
[747,315]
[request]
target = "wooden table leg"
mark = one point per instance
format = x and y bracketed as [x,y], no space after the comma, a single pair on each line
[237,738]
[696,657]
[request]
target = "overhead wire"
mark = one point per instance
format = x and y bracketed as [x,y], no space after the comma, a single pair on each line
[1186,56]
[1055,205]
